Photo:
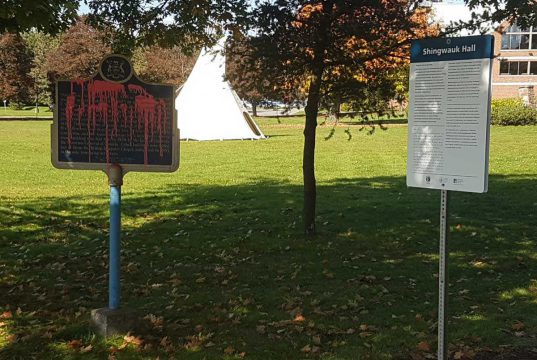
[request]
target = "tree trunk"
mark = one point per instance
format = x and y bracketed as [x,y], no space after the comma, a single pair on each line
[312,110]
[254,107]
[308,160]
[337,109]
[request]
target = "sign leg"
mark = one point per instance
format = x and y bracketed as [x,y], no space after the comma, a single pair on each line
[115,231]
[443,276]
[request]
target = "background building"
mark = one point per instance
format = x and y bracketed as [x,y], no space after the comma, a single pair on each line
[514,73]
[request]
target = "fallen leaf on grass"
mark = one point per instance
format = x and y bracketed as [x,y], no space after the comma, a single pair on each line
[164,341]
[229,350]
[156,321]
[261,329]
[74,344]
[299,318]
[86,349]
[518,325]
[130,339]
[424,346]
[6,315]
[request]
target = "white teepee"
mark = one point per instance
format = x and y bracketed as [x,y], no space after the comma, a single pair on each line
[207,107]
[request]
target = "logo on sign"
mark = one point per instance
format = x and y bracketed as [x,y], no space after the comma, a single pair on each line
[116,68]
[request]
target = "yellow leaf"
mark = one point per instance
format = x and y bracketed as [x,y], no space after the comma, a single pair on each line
[86,349]
[129,339]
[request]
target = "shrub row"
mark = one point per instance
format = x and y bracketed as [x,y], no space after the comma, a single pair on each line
[512,112]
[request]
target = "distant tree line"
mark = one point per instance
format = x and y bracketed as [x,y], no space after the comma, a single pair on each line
[31,61]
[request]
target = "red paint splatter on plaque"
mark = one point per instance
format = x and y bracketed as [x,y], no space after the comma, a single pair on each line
[121,111]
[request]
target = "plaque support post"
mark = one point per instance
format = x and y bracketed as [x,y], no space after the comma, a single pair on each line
[443,276]
[115,179]
[112,321]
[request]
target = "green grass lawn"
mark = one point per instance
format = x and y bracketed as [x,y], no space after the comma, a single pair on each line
[324,120]
[43,111]
[213,255]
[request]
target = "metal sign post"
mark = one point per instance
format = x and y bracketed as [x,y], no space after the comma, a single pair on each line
[115,179]
[443,282]
[117,123]
[449,131]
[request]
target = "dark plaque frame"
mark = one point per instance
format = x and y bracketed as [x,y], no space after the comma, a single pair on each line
[115,118]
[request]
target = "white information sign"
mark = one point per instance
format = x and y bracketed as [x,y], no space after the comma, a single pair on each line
[449,113]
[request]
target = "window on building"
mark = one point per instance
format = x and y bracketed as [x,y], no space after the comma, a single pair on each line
[518,67]
[533,67]
[516,38]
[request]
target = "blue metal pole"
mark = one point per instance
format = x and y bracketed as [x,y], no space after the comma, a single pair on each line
[115,232]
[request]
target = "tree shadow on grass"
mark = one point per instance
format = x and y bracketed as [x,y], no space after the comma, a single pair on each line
[222,270]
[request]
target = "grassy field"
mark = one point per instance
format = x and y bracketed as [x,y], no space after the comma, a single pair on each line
[324,120]
[214,258]
[44,111]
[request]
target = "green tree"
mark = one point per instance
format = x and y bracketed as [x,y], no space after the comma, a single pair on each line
[15,66]
[486,12]
[190,24]
[41,45]
[50,16]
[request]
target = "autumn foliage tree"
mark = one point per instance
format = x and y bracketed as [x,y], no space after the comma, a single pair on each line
[15,66]
[80,51]
[163,65]
[343,48]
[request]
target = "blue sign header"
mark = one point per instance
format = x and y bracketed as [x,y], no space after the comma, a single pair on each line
[452,48]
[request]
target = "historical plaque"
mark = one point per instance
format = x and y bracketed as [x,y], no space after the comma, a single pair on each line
[115,118]
[449,113]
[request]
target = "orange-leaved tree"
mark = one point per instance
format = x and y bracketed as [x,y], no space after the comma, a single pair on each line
[345,49]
